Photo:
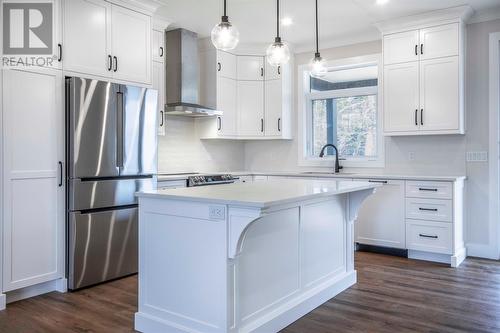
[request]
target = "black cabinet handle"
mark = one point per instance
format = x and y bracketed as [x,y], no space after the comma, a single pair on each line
[162,119]
[279,70]
[161,51]
[110,63]
[60,174]
[59,46]
[428,189]
[421,48]
[416,117]
[428,209]
[378,181]
[416,49]
[428,236]
[262,124]
[261,71]
[279,124]
[116,64]
[219,123]
[219,67]
[422,117]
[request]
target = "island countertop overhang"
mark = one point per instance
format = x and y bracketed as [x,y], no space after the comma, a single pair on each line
[260,194]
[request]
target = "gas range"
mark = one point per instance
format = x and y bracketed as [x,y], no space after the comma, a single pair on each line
[203,180]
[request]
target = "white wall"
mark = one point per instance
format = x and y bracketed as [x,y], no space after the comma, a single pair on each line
[181,150]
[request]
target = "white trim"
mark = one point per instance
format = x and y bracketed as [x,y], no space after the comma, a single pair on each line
[303,120]
[35,290]
[494,146]
[485,15]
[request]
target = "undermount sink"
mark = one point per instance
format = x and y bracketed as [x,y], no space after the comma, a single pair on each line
[326,173]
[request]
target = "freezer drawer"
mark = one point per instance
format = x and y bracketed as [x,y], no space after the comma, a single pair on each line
[92,194]
[102,246]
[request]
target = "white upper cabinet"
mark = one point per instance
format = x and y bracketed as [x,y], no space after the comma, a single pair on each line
[440,41]
[86,34]
[107,40]
[439,94]
[131,41]
[226,65]
[158,46]
[227,103]
[401,97]
[401,47]
[250,68]
[273,72]
[159,84]
[273,108]
[251,108]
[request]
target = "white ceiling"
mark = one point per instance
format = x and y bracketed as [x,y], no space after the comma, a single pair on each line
[340,20]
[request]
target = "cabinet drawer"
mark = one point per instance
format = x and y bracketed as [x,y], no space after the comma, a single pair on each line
[429,236]
[435,190]
[429,209]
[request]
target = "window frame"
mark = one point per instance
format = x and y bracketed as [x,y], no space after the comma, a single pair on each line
[305,98]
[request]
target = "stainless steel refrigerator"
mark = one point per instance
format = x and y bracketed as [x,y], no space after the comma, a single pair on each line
[111,154]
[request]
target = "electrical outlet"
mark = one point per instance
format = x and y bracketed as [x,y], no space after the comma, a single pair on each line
[217,212]
[411,156]
[477,156]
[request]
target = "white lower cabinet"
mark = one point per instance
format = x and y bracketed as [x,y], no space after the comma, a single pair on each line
[429,236]
[33,187]
[381,219]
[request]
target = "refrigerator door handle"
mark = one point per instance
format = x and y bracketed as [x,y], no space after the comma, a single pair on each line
[119,130]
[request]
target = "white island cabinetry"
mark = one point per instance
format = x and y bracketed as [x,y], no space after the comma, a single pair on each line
[211,260]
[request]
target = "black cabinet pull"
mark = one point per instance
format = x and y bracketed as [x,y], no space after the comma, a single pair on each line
[219,67]
[59,46]
[262,124]
[416,49]
[428,189]
[422,117]
[161,51]
[261,71]
[110,63]
[279,124]
[279,70]
[116,64]
[378,181]
[421,48]
[219,123]
[428,209]
[416,117]
[60,174]
[162,119]
[428,236]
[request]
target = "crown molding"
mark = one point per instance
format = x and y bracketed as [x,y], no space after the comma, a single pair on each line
[351,39]
[145,6]
[485,15]
[453,14]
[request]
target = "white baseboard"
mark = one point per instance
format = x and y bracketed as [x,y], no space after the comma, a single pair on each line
[453,261]
[3,301]
[482,251]
[458,258]
[35,290]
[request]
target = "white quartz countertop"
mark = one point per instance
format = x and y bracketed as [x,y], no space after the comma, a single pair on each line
[261,194]
[355,175]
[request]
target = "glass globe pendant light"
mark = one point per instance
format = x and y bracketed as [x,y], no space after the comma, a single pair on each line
[224,35]
[278,52]
[318,64]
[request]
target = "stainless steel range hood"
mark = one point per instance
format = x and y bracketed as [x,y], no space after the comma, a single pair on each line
[183,73]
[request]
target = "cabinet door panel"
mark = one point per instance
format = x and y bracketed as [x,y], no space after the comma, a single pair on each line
[273,72]
[273,108]
[86,36]
[401,97]
[250,68]
[381,219]
[439,94]
[250,108]
[440,41]
[131,45]
[401,47]
[158,46]
[226,65]
[159,84]
[226,102]
[33,189]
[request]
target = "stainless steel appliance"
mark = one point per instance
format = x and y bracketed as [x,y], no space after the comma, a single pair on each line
[111,154]
[202,180]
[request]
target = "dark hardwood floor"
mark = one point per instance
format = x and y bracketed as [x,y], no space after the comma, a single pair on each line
[392,295]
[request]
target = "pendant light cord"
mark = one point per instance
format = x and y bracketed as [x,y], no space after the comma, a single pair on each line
[225,8]
[278,18]
[317,33]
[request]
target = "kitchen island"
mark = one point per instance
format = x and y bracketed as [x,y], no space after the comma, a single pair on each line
[246,257]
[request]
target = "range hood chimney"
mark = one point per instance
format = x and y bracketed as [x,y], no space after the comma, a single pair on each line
[183,73]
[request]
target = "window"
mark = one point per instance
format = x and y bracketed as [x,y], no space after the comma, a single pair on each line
[342,108]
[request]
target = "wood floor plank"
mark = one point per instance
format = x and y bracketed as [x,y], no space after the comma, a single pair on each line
[392,295]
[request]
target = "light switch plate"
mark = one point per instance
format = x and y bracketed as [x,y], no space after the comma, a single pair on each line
[477,156]
[217,212]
